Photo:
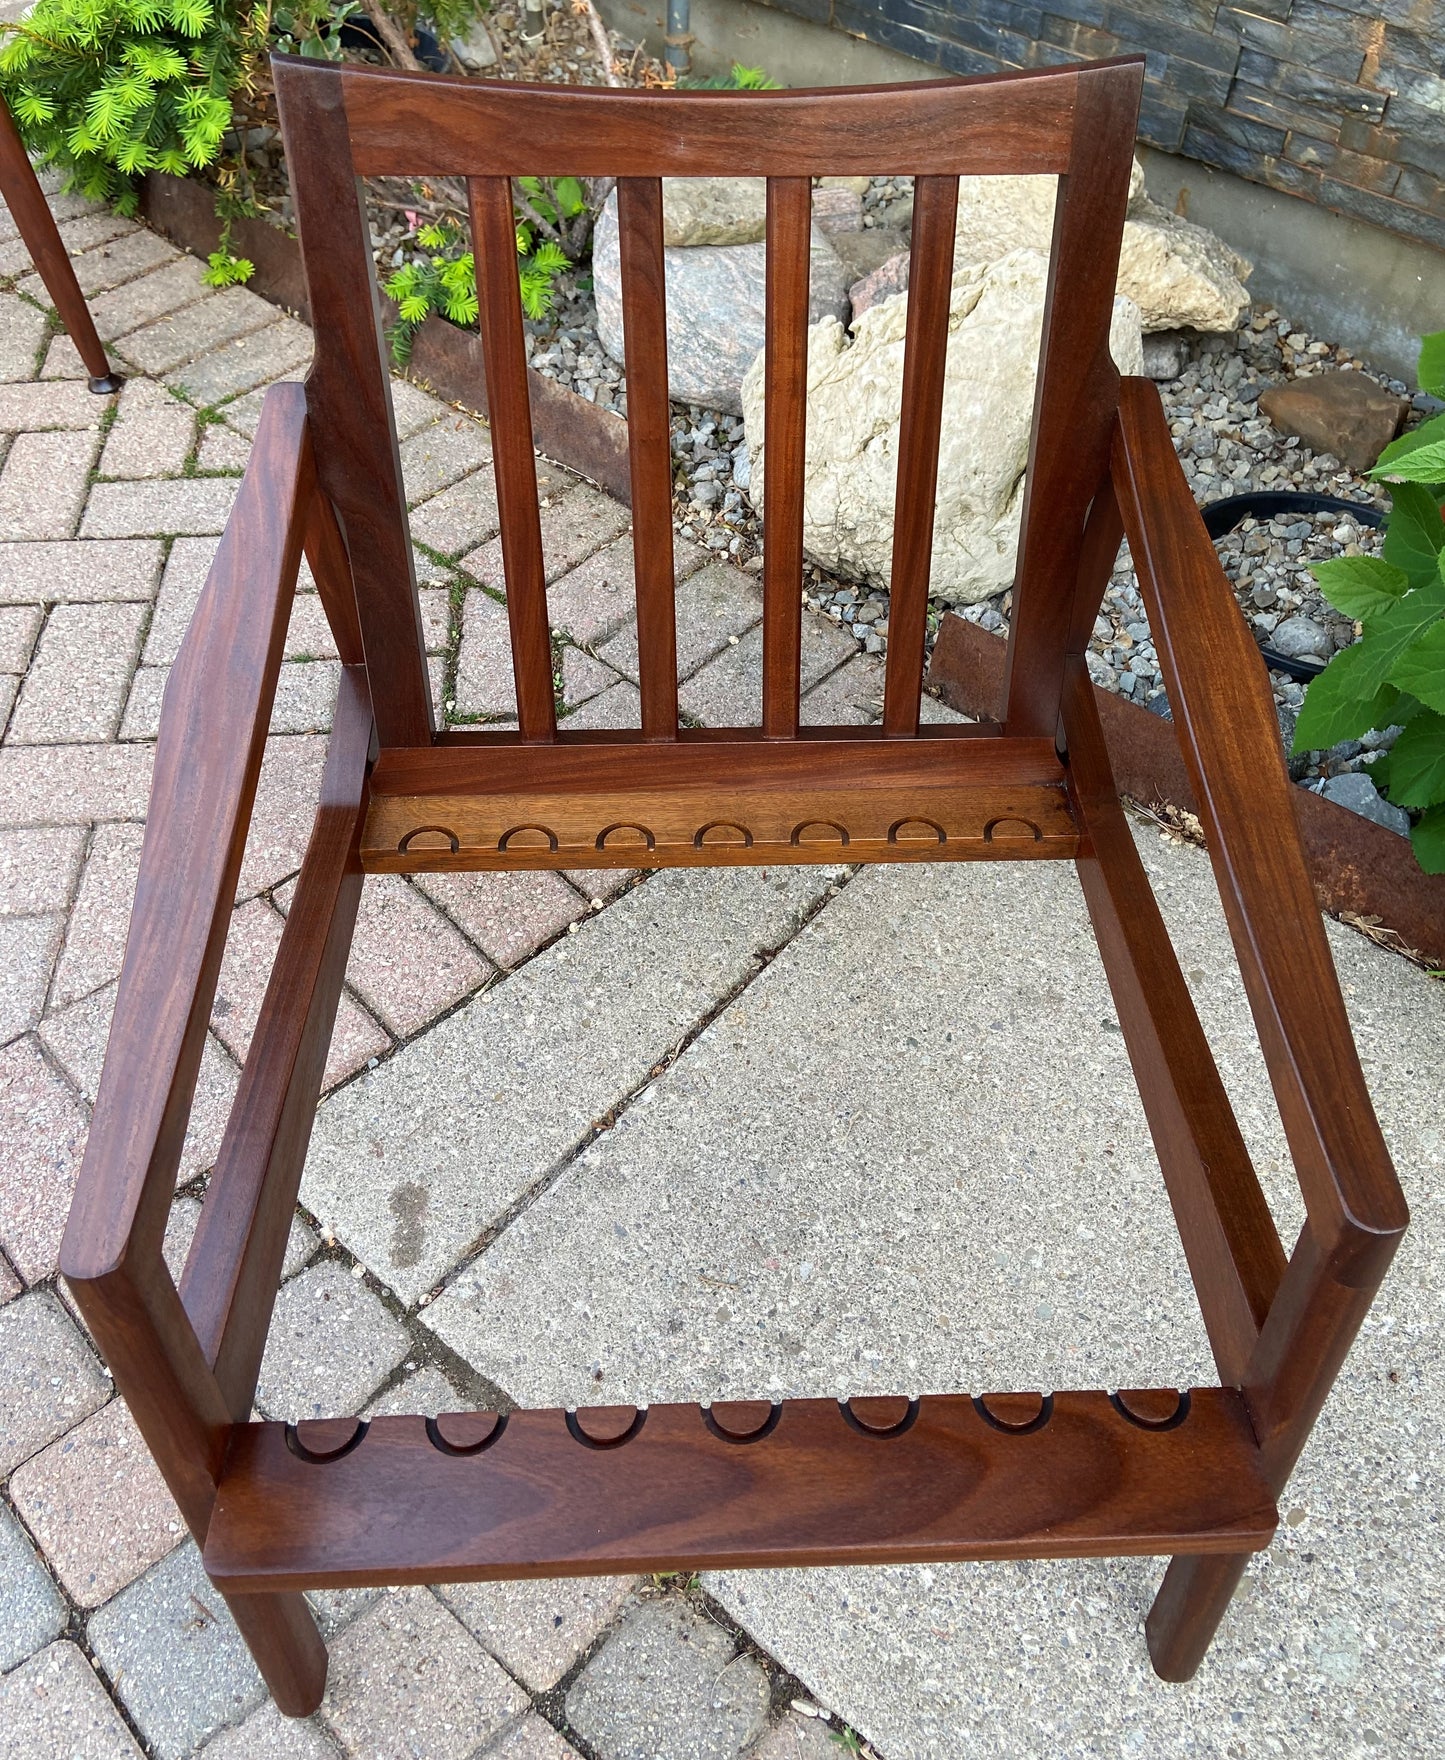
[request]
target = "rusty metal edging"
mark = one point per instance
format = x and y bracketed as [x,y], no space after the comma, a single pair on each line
[1357,866]
[566,427]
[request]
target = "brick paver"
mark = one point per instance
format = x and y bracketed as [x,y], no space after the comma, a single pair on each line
[22,333]
[96,1503]
[42,1137]
[128,510]
[244,363]
[44,483]
[185,335]
[509,916]
[38,868]
[438,456]
[576,521]
[51,1378]
[152,436]
[331,1345]
[32,1611]
[76,686]
[55,1705]
[142,302]
[80,572]
[38,404]
[109,265]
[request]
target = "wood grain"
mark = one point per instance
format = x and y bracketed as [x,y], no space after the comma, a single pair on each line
[676,1495]
[1224,710]
[790,219]
[348,394]
[649,440]
[415,125]
[925,357]
[494,236]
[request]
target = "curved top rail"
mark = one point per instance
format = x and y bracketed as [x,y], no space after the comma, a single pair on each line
[407,124]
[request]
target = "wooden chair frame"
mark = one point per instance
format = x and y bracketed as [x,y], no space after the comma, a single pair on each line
[36,224]
[281,1508]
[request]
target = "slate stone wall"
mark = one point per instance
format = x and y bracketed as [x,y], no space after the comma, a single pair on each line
[1341,103]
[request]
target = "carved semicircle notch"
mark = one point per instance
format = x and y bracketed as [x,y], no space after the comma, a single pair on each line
[722,834]
[430,837]
[1012,831]
[742,1420]
[1152,1408]
[818,834]
[1018,1414]
[924,831]
[624,836]
[324,1439]
[528,837]
[880,1415]
[465,1432]
[606,1426]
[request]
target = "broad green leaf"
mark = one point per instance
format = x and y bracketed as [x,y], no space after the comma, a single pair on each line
[1392,632]
[1361,586]
[1415,532]
[1411,442]
[1428,841]
[1423,464]
[570,198]
[1335,708]
[1431,371]
[1417,762]
[1421,668]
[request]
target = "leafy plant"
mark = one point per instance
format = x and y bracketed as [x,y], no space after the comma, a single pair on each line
[446,281]
[1394,676]
[739,79]
[110,89]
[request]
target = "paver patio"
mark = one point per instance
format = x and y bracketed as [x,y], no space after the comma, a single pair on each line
[627,1137]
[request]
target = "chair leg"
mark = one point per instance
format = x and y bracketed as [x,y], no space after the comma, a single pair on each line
[26,201]
[1192,1599]
[290,1652]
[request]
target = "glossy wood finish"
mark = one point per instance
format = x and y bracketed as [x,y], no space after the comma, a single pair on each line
[1075,395]
[925,356]
[1225,713]
[476,1495]
[36,224]
[1229,1237]
[348,396]
[790,219]
[234,1264]
[649,442]
[714,804]
[1008,123]
[494,237]
[946,1481]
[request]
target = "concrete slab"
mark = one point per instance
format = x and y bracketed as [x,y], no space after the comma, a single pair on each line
[412,1163]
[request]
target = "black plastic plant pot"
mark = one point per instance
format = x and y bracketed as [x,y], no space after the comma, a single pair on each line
[359,33]
[1223,516]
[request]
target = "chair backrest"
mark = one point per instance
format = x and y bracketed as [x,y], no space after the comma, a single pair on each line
[343,123]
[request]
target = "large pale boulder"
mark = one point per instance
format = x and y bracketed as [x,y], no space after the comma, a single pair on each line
[1180,276]
[854,398]
[714,210]
[716,308]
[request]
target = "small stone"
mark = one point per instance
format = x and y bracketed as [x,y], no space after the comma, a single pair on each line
[889,278]
[1165,352]
[1301,637]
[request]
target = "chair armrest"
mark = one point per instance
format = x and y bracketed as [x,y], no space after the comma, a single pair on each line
[1229,733]
[214,721]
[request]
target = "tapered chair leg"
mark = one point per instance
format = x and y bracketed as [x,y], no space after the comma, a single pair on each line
[1192,1599]
[290,1652]
[26,201]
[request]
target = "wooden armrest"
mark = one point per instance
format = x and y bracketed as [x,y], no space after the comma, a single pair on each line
[214,721]
[1229,733]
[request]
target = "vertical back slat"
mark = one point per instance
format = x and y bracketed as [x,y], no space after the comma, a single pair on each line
[509,409]
[1076,396]
[649,447]
[790,218]
[348,397]
[930,276]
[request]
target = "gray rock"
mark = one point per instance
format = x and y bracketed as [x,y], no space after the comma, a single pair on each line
[1164,354]
[1356,791]
[714,210]
[1300,637]
[475,49]
[889,278]
[863,252]
[716,303]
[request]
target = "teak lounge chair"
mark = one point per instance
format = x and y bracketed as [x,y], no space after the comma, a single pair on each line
[280,1509]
